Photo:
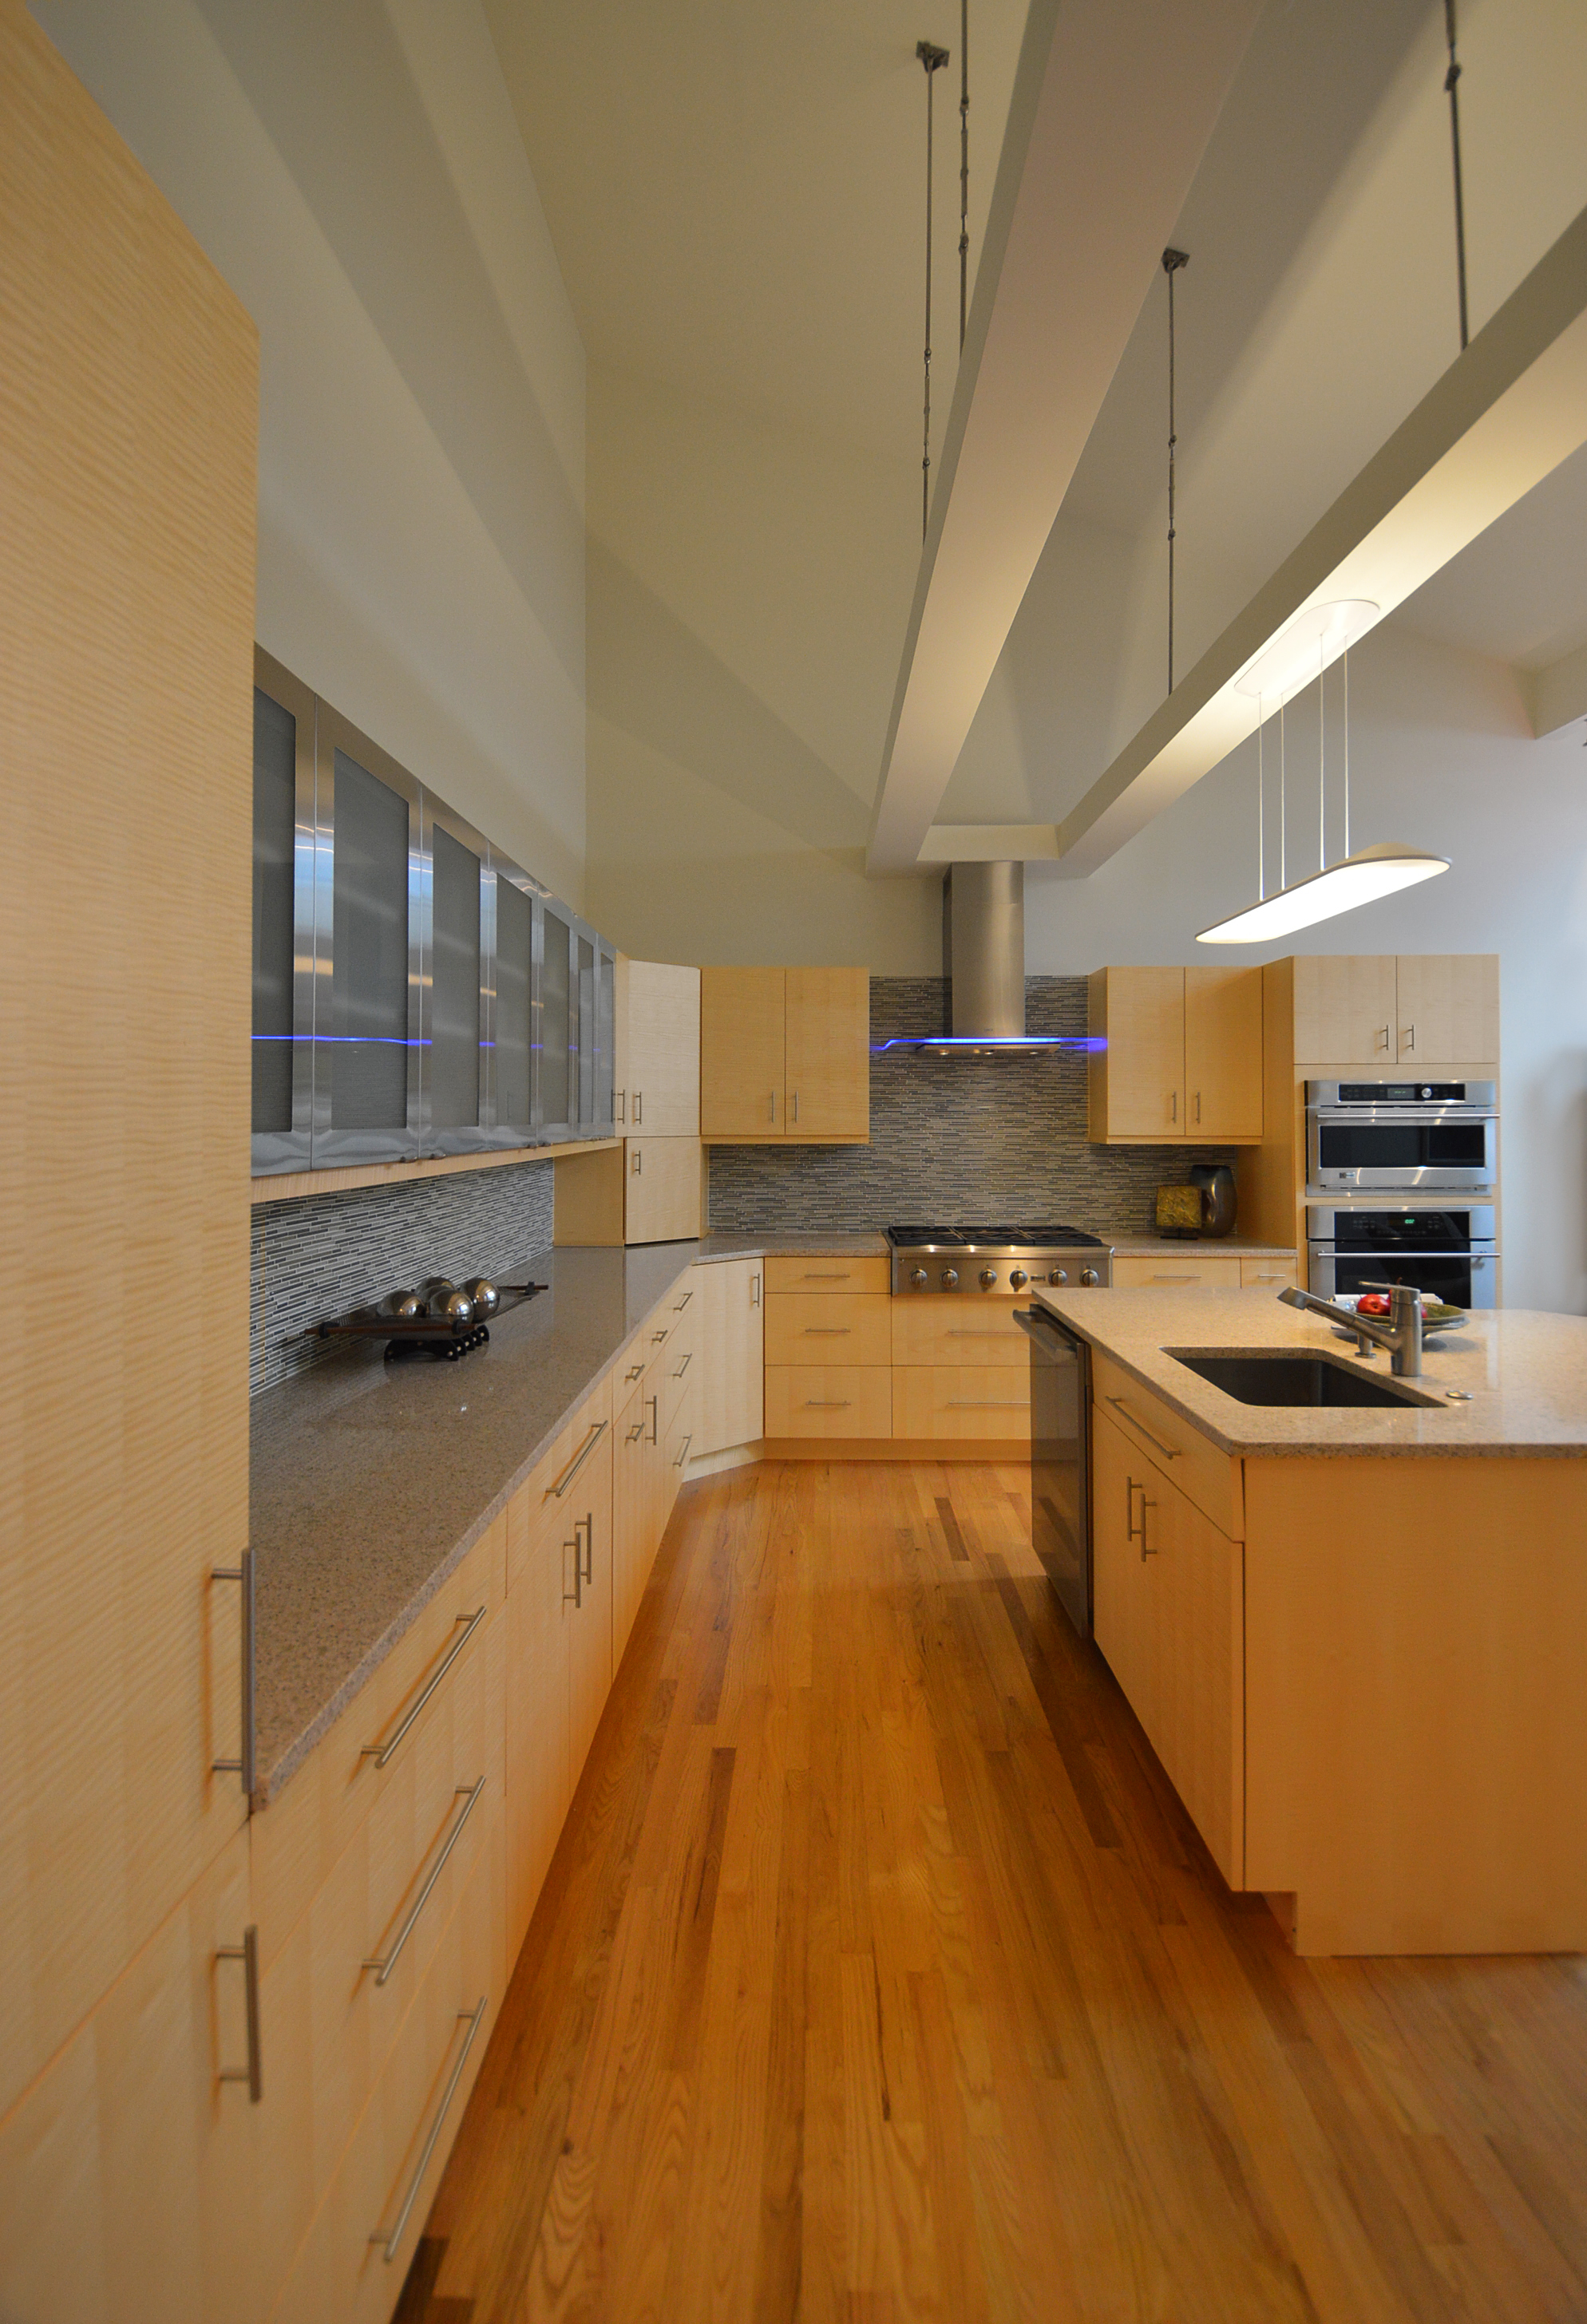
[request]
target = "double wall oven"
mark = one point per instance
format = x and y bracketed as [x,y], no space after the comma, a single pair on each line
[1401,1177]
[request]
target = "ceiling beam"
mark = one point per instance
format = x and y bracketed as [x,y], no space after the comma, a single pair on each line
[1502,417]
[1557,697]
[1114,104]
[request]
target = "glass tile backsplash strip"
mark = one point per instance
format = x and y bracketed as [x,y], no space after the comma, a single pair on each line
[321,1254]
[958,1137]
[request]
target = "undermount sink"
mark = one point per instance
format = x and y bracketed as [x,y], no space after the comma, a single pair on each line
[1300,1379]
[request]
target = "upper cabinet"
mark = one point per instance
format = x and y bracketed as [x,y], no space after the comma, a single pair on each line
[657,1049]
[1383,1010]
[415,991]
[1176,1056]
[785,1056]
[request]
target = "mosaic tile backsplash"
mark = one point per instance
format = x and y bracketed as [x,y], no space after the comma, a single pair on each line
[320,1255]
[958,1140]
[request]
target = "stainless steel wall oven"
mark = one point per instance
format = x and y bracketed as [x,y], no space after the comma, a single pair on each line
[1452,1255]
[1402,1137]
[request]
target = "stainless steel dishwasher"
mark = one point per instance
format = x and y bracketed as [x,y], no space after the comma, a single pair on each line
[1060,1458]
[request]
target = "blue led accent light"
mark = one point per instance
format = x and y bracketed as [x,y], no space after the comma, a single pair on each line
[1086,1041]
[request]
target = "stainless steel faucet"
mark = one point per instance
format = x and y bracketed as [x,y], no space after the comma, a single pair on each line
[1401,1335]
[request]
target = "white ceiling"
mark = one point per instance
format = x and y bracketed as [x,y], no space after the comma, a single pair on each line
[1519,592]
[736,192]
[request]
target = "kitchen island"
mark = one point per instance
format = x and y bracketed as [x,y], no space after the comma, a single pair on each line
[1356,1638]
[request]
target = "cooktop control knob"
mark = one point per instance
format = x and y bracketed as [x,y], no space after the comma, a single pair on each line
[918,1278]
[988,1277]
[1057,1275]
[1089,1275]
[1017,1279]
[950,1278]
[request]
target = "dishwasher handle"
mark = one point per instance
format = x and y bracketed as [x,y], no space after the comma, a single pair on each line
[1046,1332]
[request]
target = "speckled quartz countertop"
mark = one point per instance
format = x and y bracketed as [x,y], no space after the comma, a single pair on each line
[369,1483]
[1525,1374]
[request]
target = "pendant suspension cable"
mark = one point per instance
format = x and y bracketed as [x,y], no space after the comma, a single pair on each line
[963,167]
[933,59]
[1451,81]
[1283,804]
[1261,803]
[1322,763]
[1173,260]
[1347,751]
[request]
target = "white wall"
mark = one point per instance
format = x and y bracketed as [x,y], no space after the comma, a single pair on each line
[1440,757]
[357,175]
[748,588]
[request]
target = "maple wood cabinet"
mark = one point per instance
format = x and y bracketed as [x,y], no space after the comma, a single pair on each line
[785,1056]
[657,1034]
[1410,1009]
[1176,1057]
[730,1398]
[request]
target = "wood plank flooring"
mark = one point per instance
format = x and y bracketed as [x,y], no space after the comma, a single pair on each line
[880,1976]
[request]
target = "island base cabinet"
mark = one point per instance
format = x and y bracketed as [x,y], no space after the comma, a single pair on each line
[1168,1618]
[1416,1703]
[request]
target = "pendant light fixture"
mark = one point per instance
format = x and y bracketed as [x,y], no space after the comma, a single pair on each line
[1305,652]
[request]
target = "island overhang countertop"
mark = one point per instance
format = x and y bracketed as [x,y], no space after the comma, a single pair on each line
[1524,1374]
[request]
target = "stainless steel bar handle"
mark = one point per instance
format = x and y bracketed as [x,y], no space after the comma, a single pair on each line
[634,1372]
[1174,1105]
[988,1403]
[771,1106]
[597,1430]
[654,1403]
[253,2073]
[1384,1035]
[589,1548]
[636,1166]
[391,2237]
[1407,1034]
[679,1304]
[1198,1106]
[1131,1489]
[574,1597]
[954,1334]
[1168,1451]
[754,1290]
[383,1967]
[244,1766]
[827,1330]
[619,1105]
[685,1365]
[1148,1549]
[683,1452]
[381,1752]
[657,1337]
[795,1104]
[814,1275]
[636,1432]
[639,1107]
[827,1404]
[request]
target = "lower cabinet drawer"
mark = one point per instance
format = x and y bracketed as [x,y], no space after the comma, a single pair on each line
[835,1400]
[813,1327]
[828,1275]
[956,1402]
[350,2266]
[1192,1273]
[335,1992]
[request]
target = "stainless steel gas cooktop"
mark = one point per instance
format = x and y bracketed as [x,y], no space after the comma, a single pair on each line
[995,1259]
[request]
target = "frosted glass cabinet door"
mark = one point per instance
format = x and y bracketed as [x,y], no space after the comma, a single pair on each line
[512,1034]
[555,1112]
[366,1082]
[452,1050]
[283,917]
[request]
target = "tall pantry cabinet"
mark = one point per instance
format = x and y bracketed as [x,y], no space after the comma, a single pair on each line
[128,401]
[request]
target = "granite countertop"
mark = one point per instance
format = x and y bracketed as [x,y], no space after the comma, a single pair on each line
[369,1483]
[1525,1374]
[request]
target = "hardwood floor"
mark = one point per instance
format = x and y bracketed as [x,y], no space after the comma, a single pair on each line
[880,1976]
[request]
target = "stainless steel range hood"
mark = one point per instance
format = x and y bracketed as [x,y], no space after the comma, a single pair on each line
[984,963]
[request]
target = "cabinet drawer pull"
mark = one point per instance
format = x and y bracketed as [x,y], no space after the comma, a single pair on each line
[685,1365]
[953,1332]
[597,1430]
[637,1166]
[636,1432]
[657,1337]
[754,1290]
[827,1330]
[1383,1037]
[1131,1489]
[1174,1106]
[843,1275]
[381,1752]
[1168,1451]
[243,1767]
[680,1305]
[683,1452]
[1407,1037]
[574,1597]
[589,1548]
[639,1107]
[253,2073]
[795,1104]
[384,1966]
[634,1372]
[391,2237]
[1176,1279]
[827,1404]
[988,1403]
